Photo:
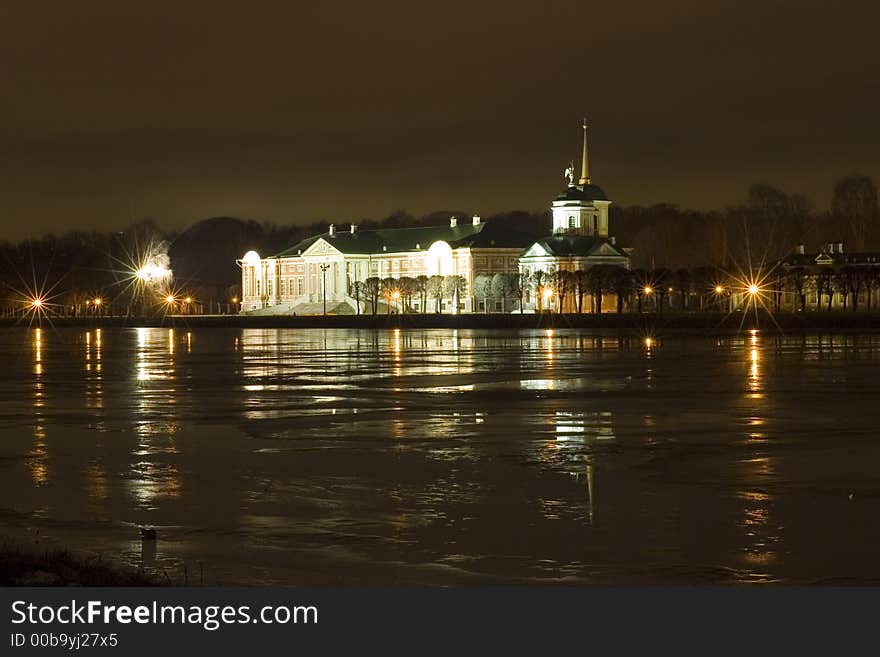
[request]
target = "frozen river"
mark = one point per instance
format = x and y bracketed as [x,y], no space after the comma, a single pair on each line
[446,457]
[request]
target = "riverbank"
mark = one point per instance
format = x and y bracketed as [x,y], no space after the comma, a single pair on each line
[33,565]
[840,321]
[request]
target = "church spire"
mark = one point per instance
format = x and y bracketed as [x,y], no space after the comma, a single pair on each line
[585,167]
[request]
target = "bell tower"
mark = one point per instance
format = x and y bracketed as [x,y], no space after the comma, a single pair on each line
[581,209]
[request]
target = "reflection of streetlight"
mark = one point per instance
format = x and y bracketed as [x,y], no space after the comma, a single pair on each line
[324,268]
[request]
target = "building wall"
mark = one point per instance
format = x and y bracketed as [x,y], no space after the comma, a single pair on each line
[298,279]
[581,218]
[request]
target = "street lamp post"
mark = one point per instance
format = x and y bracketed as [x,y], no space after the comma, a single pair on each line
[324,268]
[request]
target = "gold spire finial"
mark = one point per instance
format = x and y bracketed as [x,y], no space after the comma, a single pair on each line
[585,167]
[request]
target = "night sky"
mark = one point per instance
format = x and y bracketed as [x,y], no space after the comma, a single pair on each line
[118,110]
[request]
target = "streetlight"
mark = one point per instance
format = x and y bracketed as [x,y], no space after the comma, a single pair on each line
[719,289]
[395,295]
[547,294]
[324,267]
[648,290]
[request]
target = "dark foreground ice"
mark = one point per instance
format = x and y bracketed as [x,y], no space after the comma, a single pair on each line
[446,458]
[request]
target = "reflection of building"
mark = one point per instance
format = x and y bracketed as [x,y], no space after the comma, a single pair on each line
[328,267]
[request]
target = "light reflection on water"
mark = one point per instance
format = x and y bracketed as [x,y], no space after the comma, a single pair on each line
[500,456]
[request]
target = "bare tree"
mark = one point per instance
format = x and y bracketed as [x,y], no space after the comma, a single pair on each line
[854,205]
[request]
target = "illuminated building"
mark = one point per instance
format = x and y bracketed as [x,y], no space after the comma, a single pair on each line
[295,280]
[580,238]
[320,273]
[832,278]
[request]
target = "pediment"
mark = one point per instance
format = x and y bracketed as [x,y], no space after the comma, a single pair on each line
[321,247]
[536,251]
[604,249]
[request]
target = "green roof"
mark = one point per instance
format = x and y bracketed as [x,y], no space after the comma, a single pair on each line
[487,235]
[582,193]
[577,245]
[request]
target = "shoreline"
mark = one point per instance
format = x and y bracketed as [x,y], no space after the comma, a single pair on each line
[647,323]
[31,564]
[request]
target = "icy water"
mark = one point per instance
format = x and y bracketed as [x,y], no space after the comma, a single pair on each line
[446,457]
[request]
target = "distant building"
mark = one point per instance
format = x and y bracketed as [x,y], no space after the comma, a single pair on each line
[332,269]
[296,280]
[580,238]
[830,277]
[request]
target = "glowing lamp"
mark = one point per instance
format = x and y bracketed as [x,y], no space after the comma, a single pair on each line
[649,342]
[188,300]
[718,289]
[648,289]
[395,295]
[169,299]
[753,289]
[98,301]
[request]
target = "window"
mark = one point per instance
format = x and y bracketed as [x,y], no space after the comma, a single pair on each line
[258,287]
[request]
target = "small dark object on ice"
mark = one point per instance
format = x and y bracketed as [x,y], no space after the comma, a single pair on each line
[148,534]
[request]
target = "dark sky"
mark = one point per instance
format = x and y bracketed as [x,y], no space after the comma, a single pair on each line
[114,109]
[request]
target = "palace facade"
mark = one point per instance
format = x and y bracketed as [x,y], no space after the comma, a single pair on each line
[329,272]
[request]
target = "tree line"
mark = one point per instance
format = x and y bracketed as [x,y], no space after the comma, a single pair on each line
[767,225]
